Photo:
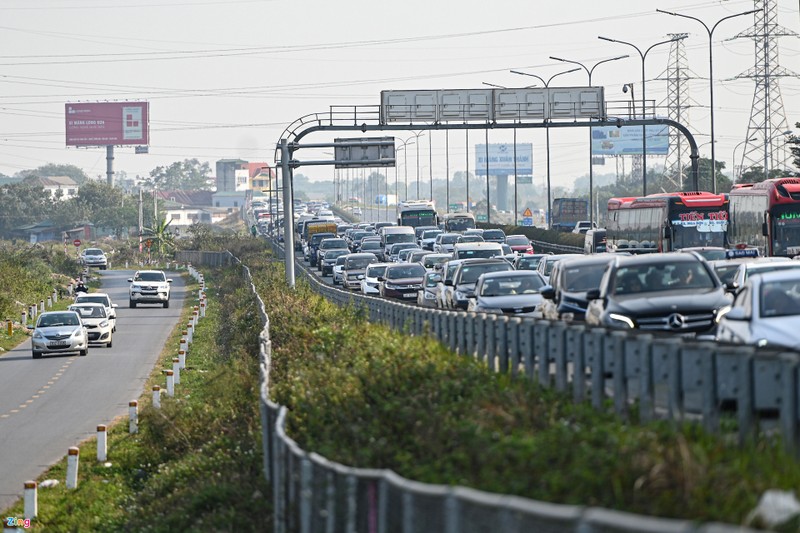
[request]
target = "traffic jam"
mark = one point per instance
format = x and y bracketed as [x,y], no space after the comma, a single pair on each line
[722,267]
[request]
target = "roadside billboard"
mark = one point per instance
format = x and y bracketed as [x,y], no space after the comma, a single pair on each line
[106,123]
[627,140]
[501,159]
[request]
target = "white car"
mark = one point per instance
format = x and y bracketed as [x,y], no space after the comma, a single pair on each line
[149,287]
[94,318]
[100,298]
[765,313]
[59,332]
[338,270]
[94,257]
[370,285]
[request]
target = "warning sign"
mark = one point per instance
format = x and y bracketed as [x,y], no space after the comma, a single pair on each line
[527,212]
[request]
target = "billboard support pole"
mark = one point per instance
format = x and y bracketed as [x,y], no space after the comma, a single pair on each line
[110,164]
[288,217]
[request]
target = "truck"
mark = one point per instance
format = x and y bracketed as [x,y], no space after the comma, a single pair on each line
[566,212]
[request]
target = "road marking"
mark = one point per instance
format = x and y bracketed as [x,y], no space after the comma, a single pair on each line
[44,388]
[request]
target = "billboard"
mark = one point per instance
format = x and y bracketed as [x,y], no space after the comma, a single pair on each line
[501,159]
[107,123]
[627,140]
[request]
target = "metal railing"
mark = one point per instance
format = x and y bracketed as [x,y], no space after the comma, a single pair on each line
[313,494]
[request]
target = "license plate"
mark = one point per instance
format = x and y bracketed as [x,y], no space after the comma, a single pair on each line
[57,344]
[409,295]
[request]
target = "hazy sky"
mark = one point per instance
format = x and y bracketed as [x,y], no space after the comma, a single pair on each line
[225,78]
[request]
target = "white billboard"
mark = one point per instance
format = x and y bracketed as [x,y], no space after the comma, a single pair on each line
[627,140]
[501,159]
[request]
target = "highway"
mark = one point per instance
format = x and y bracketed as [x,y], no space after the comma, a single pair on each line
[50,404]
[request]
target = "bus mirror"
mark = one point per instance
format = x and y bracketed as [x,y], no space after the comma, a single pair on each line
[764,229]
[666,233]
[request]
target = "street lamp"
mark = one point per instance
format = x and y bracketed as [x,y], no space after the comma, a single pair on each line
[417,135]
[643,55]
[589,72]
[710,79]
[547,128]
[405,143]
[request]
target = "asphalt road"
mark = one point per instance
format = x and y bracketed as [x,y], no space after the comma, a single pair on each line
[50,404]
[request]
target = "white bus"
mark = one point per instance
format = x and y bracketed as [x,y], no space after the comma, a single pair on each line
[417,213]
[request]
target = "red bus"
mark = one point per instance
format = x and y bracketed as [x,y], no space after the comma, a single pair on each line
[667,222]
[766,215]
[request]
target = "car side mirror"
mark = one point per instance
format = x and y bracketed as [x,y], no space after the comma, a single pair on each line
[381,278]
[764,229]
[737,313]
[548,292]
[169,280]
[130,280]
[448,282]
[114,305]
[731,286]
[593,294]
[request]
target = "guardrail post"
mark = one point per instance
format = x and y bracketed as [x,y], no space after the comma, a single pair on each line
[351,520]
[408,512]
[306,495]
[514,345]
[490,342]
[156,397]
[710,407]
[556,349]
[789,403]
[735,382]
[526,334]
[452,513]
[639,366]
[666,371]
[540,360]
[468,334]
[501,335]
[453,326]
[573,349]
[479,321]
[133,417]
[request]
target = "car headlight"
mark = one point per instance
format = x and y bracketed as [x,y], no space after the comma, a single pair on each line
[388,285]
[620,320]
[461,295]
[104,324]
[78,332]
[429,296]
[762,342]
[721,312]
[38,334]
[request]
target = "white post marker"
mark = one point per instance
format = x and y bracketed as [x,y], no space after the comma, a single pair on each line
[55,295]
[189,333]
[182,347]
[102,443]
[49,302]
[176,370]
[41,306]
[31,500]
[170,383]
[203,308]
[72,467]
[185,337]
[133,417]
[23,318]
[182,358]
[156,396]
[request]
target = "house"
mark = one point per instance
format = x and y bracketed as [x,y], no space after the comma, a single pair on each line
[61,187]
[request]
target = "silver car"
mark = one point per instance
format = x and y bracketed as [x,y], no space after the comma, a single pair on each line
[98,325]
[59,332]
[766,312]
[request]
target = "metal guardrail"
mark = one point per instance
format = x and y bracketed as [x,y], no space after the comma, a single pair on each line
[313,494]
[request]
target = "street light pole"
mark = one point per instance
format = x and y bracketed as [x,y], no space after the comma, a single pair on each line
[405,143]
[418,135]
[710,32]
[643,55]
[546,129]
[589,72]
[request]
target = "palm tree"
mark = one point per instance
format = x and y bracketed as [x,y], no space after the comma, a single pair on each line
[162,240]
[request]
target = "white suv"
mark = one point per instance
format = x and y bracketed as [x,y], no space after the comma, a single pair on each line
[149,287]
[94,257]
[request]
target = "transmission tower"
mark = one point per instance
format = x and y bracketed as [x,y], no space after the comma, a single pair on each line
[678,103]
[765,142]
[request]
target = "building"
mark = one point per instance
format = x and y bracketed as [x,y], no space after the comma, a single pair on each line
[227,173]
[61,187]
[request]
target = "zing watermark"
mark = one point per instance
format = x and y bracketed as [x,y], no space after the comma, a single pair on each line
[13,521]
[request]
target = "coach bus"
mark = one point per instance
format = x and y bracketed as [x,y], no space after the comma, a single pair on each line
[766,215]
[667,222]
[458,222]
[417,213]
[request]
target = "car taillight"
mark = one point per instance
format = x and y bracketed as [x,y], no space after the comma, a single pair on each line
[529,249]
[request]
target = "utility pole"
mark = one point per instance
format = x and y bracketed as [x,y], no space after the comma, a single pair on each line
[141,219]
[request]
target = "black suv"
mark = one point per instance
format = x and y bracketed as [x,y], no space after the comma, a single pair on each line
[570,280]
[671,292]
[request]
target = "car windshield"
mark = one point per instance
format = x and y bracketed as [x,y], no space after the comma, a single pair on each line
[483,253]
[376,271]
[403,246]
[780,298]
[93,251]
[528,263]
[333,254]
[507,286]
[727,273]
[494,234]
[662,277]
[59,319]
[358,263]
[90,311]
[449,239]
[583,278]
[93,299]
[150,276]
[431,233]
[429,261]
[517,240]
[406,271]
[371,245]
[761,268]
[329,244]
[471,273]
[471,238]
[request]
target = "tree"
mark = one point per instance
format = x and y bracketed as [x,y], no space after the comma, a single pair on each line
[162,240]
[794,142]
[23,203]
[188,174]
[756,174]
[51,169]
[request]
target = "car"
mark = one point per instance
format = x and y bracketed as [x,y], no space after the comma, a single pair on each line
[149,287]
[355,267]
[759,266]
[520,244]
[546,264]
[466,278]
[477,250]
[97,323]
[673,292]
[508,254]
[494,235]
[515,292]
[449,270]
[59,332]
[310,249]
[404,255]
[469,238]
[582,226]
[594,241]
[429,295]
[372,245]
[435,261]
[765,313]
[528,261]
[100,298]
[338,270]
[325,245]
[329,260]
[394,251]
[564,297]
[428,238]
[370,285]
[444,243]
[709,253]
[473,231]
[94,257]
[416,256]
[402,280]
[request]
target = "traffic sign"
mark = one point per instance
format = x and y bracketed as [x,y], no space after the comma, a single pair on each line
[149,243]
[527,221]
[527,213]
[76,242]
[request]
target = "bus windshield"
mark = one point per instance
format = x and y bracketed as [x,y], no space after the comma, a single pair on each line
[418,217]
[459,224]
[786,229]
